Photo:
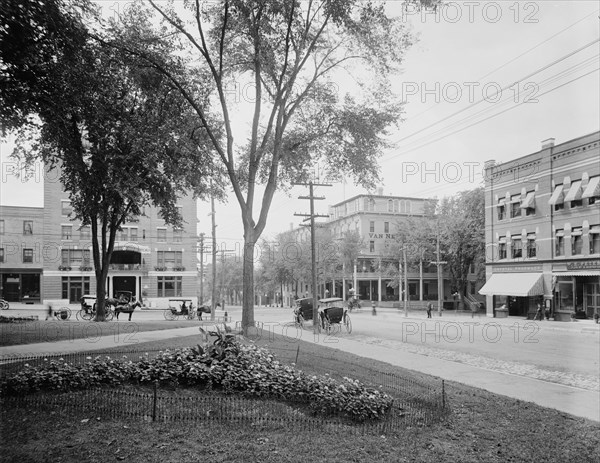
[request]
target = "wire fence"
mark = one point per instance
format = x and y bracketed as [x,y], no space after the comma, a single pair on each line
[415,402]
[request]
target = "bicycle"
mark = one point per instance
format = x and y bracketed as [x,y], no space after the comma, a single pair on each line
[4,305]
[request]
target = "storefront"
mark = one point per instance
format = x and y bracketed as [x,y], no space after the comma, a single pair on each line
[514,293]
[20,285]
[576,289]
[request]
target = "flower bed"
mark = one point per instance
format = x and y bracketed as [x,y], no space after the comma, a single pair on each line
[224,364]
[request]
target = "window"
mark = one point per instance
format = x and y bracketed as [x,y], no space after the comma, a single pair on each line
[75,257]
[559,243]
[502,250]
[27,256]
[177,235]
[66,232]
[1,254]
[557,198]
[65,207]
[515,206]
[386,227]
[169,259]
[528,205]
[133,234]
[371,205]
[592,191]
[371,246]
[390,205]
[595,239]
[576,242]
[28,227]
[2,227]
[372,226]
[531,246]
[169,286]
[574,194]
[85,233]
[123,235]
[501,211]
[161,235]
[517,247]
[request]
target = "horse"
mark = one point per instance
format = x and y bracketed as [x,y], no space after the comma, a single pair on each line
[128,307]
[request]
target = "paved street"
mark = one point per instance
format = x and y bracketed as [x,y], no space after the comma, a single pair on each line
[554,364]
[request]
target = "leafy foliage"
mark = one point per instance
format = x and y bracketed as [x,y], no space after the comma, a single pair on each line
[224,363]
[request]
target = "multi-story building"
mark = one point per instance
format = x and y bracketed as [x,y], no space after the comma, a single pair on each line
[150,258]
[21,247]
[375,218]
[543,231]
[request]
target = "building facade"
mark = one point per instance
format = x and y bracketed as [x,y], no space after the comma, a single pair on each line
[543,231]
[21,245]
[375,217]
[46,254]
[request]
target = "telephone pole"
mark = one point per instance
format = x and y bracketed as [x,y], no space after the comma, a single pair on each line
[214,260]
[222,298]
[312,217]
[201,269]
[439,264]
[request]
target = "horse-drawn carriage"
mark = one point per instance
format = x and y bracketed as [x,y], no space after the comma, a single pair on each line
[125,302]
[334,314]
[180,308]
[88,308]
[331,313]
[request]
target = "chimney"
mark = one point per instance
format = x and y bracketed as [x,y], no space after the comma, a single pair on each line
[380,191]
[549,143]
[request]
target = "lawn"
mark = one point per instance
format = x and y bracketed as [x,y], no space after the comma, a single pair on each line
[482,427]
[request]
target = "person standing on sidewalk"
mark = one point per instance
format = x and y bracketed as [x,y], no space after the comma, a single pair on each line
[429,309]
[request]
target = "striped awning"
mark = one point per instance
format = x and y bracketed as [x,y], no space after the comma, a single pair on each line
[557,196]
[128,246]
[578,273]
[514,284]
[529,200]
[592,188]
[574,192]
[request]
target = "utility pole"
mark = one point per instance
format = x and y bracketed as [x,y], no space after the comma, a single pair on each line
[405,282]
[214,260]
[312,217]
[201,269]
[439,264]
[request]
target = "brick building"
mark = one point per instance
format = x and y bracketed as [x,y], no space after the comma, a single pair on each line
[47,255]
[543,231]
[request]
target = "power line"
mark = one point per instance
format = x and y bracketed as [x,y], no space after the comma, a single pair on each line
[568,55]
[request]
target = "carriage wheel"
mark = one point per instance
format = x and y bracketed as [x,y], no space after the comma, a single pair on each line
[4,305]
[327,326]
[64,313]
[83,315]
[169,315]
[348,323]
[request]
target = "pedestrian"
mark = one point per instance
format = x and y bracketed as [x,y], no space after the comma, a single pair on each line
[49,314]
[538,312]
[429,309]
[326,293]
[597,316]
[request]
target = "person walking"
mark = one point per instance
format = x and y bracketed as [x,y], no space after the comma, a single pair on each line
[429,309]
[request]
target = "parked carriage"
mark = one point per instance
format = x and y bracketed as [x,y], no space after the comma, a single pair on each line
[334,314]
[180,308]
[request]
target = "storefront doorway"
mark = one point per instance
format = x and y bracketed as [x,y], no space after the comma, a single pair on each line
[124,283]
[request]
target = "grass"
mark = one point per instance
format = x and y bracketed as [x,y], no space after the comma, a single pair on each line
[482,427]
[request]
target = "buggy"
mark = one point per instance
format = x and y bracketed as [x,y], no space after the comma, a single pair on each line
[180,307]
[88,308]
[333,313]
[303,311]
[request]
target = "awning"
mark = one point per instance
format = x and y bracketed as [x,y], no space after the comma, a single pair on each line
[557,196]
[578,273]
[529,200]
[135,247]
[574,192]
[514,284]
[593,188]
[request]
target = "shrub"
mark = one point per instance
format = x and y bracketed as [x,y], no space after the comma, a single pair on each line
[224,364]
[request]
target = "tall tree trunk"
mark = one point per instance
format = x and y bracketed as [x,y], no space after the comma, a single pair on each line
[248,282]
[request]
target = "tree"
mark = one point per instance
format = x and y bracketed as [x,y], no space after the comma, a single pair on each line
[462,228]
[120,136]
[290,54]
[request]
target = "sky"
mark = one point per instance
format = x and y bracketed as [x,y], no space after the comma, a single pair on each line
[486,80]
